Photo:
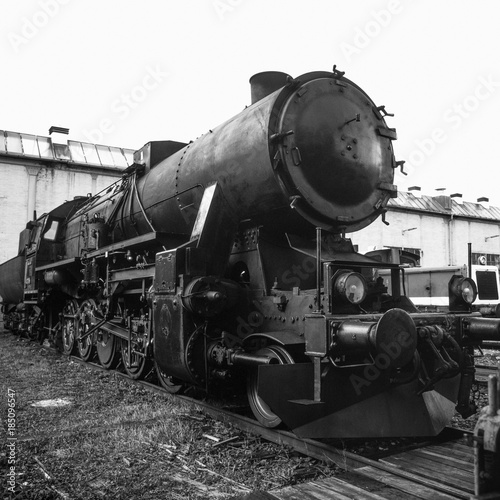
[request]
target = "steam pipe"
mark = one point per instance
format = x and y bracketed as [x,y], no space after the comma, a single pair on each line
[243,358]
[318,269]
[493,395]
[469,259]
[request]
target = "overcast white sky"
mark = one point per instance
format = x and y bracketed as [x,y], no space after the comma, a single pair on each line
[124,72]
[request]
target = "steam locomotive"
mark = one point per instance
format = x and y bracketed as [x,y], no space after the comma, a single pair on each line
[223,263]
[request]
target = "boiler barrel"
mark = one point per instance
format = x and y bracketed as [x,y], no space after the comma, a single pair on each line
[235,154]
[315,150]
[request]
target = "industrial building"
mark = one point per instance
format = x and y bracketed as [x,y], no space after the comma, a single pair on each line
[436,228]
[40,172]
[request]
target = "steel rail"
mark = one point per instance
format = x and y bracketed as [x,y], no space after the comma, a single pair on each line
[483,372]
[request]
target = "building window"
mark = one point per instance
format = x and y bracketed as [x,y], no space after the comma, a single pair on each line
[486,259]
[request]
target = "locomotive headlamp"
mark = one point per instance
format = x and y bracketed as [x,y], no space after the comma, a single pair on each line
[462,293]
[468,292]
[349,286]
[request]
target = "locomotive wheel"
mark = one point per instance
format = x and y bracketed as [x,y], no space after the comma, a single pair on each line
[69,327]
[33,330]
[107,352]
[139,366]
[260,409]
[170,384]
[86,345]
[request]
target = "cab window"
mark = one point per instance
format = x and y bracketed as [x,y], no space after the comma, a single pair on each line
[51,232]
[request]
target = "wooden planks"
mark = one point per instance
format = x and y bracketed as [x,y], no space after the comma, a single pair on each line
[256,495]
[342,488]
[448,464]
[406,486]
[437,472]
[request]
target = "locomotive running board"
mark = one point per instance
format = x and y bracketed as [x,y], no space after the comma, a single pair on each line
[306,402]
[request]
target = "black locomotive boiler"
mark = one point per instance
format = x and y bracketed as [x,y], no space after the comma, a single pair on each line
[223,263]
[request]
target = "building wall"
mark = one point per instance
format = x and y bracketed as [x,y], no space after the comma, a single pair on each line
[30,185]
[442,239]
[64,184]
[13,208]
[479,234]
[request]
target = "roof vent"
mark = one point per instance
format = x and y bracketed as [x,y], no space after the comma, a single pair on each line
[415,191]
[444,201]
[484,201]
[457,197]
[59,135]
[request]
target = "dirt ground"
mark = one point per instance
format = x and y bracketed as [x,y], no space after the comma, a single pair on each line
[72,432]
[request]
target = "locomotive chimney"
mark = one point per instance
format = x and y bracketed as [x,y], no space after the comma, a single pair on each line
[265,83]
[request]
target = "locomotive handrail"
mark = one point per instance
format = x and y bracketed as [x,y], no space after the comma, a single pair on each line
[178,193]
[131,243]
[61,263]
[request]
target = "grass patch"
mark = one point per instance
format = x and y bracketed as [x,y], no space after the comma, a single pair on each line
[119,441]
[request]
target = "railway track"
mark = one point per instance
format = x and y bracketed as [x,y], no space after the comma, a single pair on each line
[484,371]
[439,468]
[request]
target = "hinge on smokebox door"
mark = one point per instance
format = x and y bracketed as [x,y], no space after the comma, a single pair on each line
[391,192]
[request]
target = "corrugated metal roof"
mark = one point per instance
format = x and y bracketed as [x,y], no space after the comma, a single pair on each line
[444,205]
[36,146]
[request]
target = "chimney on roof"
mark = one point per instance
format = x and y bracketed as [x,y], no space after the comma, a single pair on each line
[485,202]
[457,197]
[59,135]
[443,199]
[415,191]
